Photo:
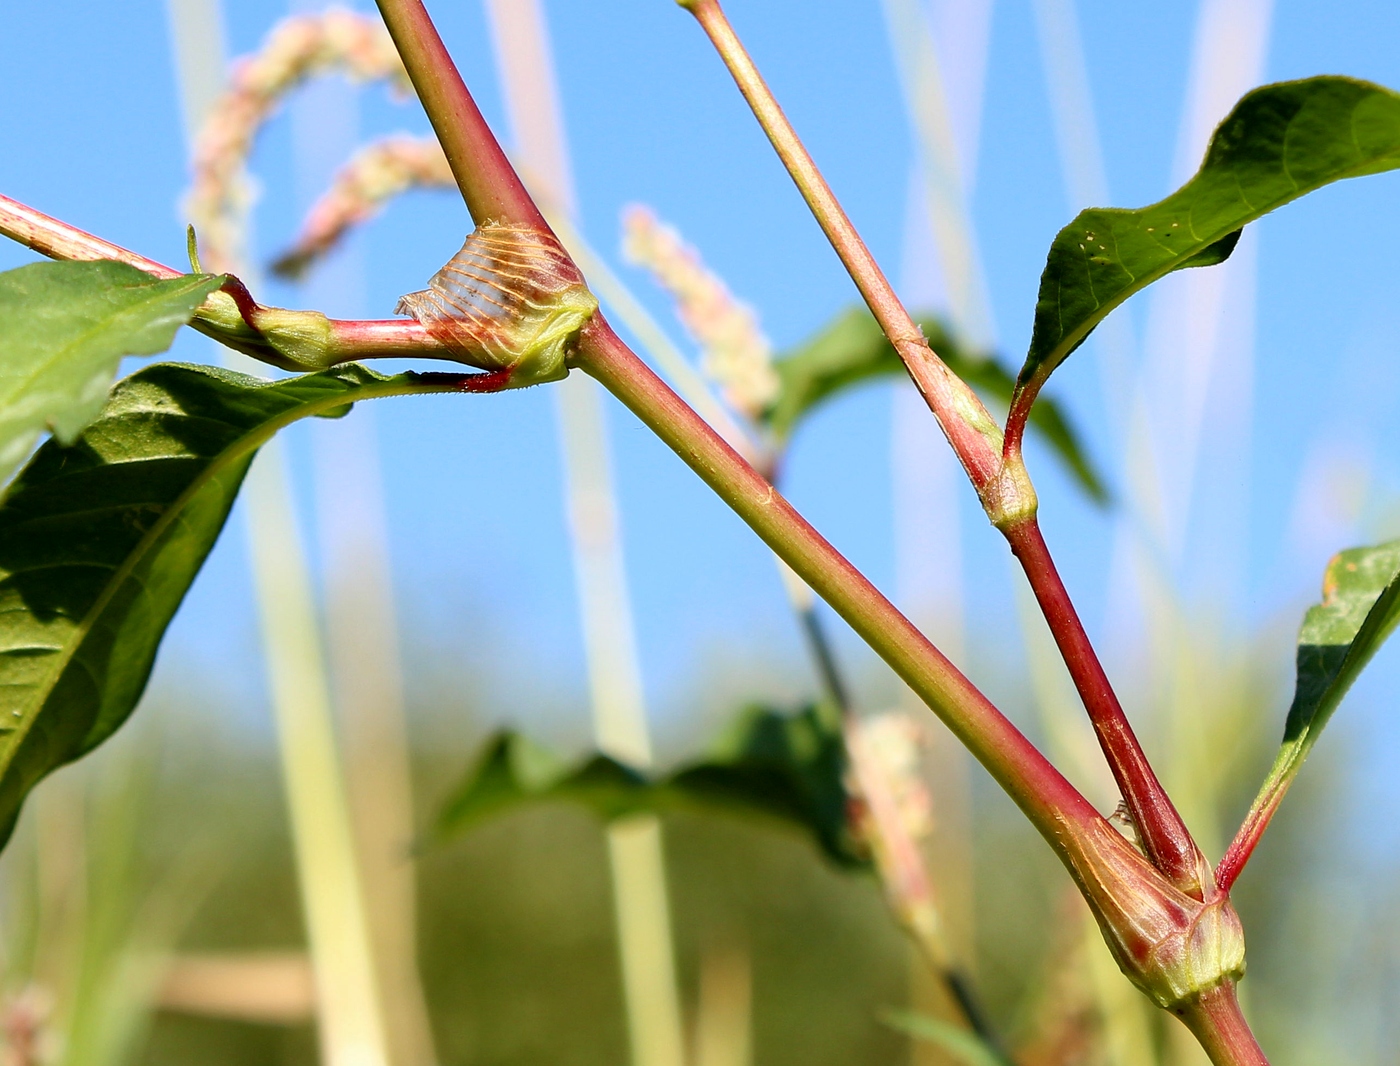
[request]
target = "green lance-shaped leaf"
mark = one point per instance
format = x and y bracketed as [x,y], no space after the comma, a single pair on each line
[1279,143]
[787,768]
[1360,608]
[64,328]
[852,350]
[100,540]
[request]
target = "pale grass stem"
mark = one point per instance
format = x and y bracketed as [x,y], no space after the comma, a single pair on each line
[350,1012]
[636,847]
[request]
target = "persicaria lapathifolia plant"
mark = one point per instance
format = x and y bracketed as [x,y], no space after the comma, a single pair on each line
[107,524]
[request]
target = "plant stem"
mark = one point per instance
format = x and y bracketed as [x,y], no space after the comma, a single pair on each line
[1164,835]
[1002,483]
[964,419]
[476,158]
[1252,830]
[350,339]
[1054,806]
[1134,904]
[824,658]
[1049,800]
[1218,1023]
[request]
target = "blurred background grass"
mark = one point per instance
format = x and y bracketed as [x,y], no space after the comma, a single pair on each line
[174,839]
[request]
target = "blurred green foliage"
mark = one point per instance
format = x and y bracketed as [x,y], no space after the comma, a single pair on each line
[516,937]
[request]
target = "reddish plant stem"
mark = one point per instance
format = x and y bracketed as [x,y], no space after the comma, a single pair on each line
[476,158]
[1164,835]
[352,339]
[493,189]
[58,240]
[1049,800]
[1218,1023]
[1018,416]
[1110,873]
[1247,839]
[970,430]
[1000,478]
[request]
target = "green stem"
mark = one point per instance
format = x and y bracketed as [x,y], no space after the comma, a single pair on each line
[1048,799]
[1001,480]
[973,434]
[492,189]
[1139,912]
[1215,1019]
[824,659]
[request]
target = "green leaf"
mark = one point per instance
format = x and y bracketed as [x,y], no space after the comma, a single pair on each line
[787,768]
[962,1044]
[100,540]
[1359,610]
[64,328]
[852,350]
[1279,143]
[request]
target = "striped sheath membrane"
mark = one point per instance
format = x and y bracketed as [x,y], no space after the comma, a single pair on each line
[510,299]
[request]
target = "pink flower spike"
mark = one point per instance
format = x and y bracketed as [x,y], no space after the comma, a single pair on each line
[735,354]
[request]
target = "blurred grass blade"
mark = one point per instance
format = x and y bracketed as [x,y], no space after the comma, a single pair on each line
[852,350]
[100,541]
[64,328]
[1279,143]
[780,767]
[349,1018]
[1359,610]
[963,1045]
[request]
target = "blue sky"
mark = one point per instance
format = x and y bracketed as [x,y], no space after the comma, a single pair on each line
[92,134]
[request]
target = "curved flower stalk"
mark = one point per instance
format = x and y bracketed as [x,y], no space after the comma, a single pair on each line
[735,353]
[297,49]
[375,175]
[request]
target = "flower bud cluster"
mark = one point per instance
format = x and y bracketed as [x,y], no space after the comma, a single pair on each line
[296,49]
[893,815]
[735,354]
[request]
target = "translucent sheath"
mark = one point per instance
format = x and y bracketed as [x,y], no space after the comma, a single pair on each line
[511,299]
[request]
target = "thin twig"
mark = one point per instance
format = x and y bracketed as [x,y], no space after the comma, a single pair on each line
[1001,480]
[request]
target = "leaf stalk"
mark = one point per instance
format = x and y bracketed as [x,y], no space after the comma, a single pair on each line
[993,464]
[1164,835]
